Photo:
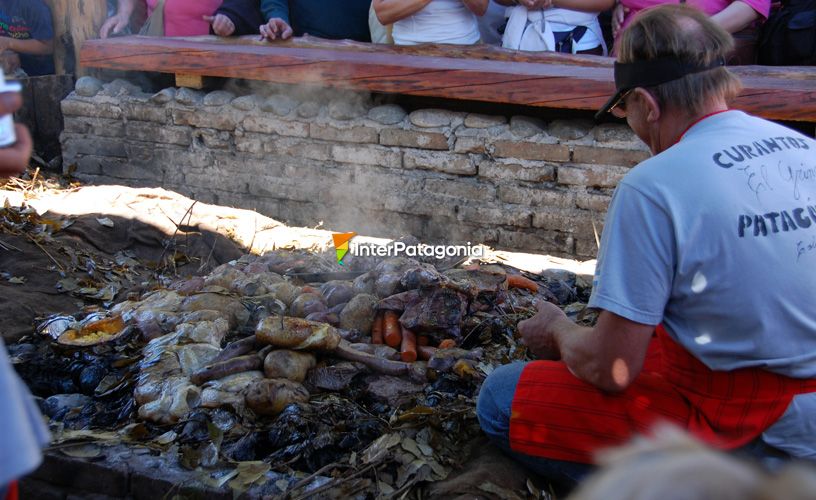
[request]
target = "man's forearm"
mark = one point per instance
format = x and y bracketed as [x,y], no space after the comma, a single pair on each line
[32,47]
[737,16]
[609,355]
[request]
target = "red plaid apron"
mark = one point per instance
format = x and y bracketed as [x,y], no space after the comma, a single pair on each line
[12,493]
[558,416]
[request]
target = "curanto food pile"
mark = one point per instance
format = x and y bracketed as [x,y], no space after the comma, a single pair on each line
[286,374]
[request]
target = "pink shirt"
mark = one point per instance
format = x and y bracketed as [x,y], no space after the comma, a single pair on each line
[184,17]
[710,7]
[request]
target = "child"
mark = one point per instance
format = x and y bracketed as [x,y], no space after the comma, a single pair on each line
[26,29]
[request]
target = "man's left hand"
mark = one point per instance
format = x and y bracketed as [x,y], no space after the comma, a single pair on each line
[538,332]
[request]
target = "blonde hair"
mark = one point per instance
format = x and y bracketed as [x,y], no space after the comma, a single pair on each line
[685,34]
[671,465]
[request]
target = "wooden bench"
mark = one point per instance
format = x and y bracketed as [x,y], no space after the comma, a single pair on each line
[481,73]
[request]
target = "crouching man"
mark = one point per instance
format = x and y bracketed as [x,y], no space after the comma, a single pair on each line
[705,278]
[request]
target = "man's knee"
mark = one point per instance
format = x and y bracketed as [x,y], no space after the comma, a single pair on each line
[496,400]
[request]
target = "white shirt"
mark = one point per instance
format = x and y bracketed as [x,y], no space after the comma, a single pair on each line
[441,21]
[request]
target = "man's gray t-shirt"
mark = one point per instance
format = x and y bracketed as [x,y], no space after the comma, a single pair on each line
[715,238]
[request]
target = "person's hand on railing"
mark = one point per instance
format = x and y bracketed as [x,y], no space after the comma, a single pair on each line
[276,29]
[14,158]
[221,24]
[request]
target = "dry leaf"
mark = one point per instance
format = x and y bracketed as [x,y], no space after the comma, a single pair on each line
[248,474]
[88,450]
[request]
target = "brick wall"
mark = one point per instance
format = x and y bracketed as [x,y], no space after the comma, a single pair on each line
[341,160]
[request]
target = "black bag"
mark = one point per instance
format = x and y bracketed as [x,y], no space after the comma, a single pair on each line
[789,36]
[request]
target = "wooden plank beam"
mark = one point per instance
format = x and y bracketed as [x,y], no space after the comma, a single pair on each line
[483,74]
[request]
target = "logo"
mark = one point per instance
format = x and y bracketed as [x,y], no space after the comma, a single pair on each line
[341,244]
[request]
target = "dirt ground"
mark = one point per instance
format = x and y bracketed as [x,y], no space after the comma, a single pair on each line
[66,248]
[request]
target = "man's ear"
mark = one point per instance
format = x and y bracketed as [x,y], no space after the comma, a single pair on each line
[652,106]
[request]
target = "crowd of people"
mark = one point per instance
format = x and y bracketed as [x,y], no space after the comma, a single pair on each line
[570,26]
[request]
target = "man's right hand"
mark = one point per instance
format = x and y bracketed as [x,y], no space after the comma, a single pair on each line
[14,158]
[276,29]
[114,25]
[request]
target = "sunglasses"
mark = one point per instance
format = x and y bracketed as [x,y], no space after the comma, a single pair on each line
[618,108]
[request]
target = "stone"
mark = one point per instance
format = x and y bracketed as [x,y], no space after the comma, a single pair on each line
[357,134]
[342,109]
[64,402]
[591,175]
[609,156]
[528,150]
[614,132]
[213,139]
[538,241]
[189,97]
[359,313]
[367,155]
[218,98]
[119,88]
[148,132]
[388,114]
[78,107]
[476,120]
[441,162]
[569,130]
[537,196]
[479,191]
[517,170]
[308,109]
[594,201]
[88,86]
[431,118]
[413,139]
[279,104]
[495,216]
[267,124]
[469,144]
[90,477]
[246,102]
[164,96]
[526,126]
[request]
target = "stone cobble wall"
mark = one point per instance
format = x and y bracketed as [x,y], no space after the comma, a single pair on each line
[340,160]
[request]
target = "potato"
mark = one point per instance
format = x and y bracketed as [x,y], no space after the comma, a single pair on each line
[296,334]
[364,283]
[337,292]
[359,313]
[306,304]
[285,292]
[291,365]
[271,396]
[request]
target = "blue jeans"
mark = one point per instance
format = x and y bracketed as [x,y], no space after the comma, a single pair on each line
[493,411]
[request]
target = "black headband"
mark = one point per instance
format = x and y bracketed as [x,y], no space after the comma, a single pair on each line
[648,74]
